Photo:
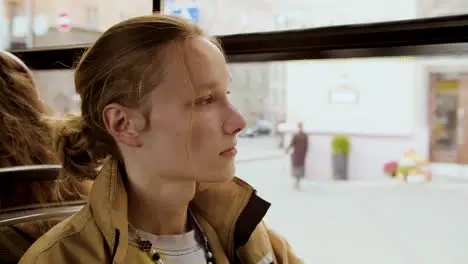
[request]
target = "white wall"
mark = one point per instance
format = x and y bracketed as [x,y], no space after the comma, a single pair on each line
[54,82]
[385,88]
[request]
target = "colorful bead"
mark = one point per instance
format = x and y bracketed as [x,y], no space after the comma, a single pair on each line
[156,257]
[146,245]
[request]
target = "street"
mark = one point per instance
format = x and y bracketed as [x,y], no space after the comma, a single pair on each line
[258,147]
[389,222]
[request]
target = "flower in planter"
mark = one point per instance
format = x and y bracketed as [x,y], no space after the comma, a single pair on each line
[413,164]
[390,168]
[404,170]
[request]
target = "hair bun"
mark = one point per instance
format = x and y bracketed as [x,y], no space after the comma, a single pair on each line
[73,148]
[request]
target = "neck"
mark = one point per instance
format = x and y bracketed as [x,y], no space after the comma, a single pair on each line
[160,206]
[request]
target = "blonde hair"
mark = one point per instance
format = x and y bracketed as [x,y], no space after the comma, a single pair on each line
[122,66]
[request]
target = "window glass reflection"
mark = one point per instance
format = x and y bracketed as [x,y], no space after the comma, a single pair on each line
[42,23]
[220,17]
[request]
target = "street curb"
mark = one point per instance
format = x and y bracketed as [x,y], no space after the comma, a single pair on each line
[261,157]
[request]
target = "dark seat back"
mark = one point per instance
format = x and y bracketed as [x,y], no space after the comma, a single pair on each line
[13,241]
[33,212]
[29,173]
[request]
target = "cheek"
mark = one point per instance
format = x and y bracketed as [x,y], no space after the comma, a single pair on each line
[197,137]
[168,147]
[205,134]
[168,132]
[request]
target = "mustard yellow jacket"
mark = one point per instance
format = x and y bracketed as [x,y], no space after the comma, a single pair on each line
[230,214]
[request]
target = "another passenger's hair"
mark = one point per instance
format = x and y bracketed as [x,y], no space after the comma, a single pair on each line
[24,138]
[123,66]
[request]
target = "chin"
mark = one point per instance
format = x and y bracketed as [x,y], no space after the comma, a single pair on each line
[219,176]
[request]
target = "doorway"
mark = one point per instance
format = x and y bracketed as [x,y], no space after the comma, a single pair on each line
[448,117]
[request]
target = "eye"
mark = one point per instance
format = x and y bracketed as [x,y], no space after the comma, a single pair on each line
[205,100]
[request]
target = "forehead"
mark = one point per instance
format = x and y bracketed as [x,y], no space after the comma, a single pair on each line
[204,62]
[194,66]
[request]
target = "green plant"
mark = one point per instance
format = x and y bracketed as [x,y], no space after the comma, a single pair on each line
[340,145]
[404,170]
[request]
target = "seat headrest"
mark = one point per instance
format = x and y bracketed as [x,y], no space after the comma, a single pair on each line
[29,173]
[18,60]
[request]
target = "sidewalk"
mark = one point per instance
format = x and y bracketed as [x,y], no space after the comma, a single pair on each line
[363,222]
[261,148]
[261,155]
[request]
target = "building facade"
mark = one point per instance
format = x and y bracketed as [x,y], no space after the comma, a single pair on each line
[397,104]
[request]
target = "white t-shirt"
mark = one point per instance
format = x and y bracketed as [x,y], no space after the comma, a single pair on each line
[175,249]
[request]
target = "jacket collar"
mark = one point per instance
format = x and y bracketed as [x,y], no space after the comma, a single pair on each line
[233,210]
[108,202]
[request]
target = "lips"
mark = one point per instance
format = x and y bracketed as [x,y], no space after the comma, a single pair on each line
[229,152]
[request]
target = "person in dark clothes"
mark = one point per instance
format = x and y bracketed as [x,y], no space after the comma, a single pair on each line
[299,146]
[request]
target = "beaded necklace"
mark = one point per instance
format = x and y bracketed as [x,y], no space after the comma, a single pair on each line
[147,246]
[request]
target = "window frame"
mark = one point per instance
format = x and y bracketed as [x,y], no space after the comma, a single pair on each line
[417,37]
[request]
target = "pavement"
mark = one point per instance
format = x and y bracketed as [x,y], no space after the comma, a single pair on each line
[252,149]
[363,222]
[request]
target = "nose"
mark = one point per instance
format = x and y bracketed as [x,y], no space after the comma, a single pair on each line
[235,122]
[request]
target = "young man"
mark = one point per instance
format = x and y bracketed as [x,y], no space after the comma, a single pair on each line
[299,145]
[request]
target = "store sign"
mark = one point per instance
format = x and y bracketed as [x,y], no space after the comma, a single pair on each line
[344,96]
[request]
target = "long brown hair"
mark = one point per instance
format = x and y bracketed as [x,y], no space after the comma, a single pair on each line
[123,66]
[24,138]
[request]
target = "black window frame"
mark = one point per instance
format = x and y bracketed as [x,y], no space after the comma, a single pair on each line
[417,37]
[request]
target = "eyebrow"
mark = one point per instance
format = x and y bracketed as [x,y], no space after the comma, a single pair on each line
[209,86]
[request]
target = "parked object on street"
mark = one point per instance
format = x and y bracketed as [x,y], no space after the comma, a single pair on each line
[340,150]
[264,127]
[413,168]
[281,140]
[261,128]
[247,132]
[280,134]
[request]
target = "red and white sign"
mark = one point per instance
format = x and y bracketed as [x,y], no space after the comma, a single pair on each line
[64,22]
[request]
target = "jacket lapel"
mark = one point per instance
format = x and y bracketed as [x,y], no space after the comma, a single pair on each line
[108,200]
